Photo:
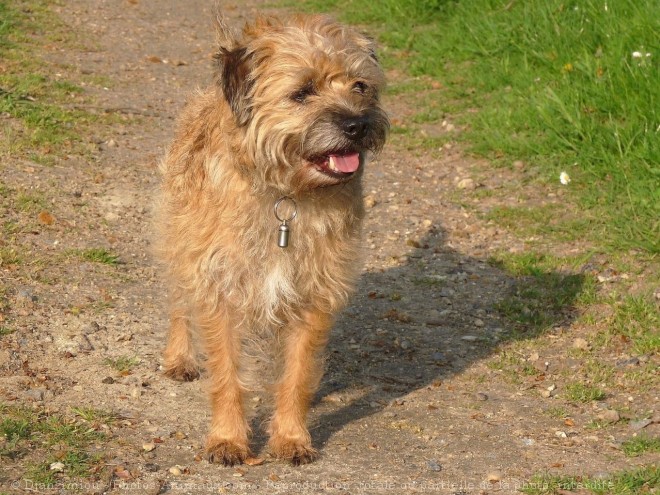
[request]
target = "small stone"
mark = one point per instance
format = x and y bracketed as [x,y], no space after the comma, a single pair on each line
[494,476]
[93,327]
[108,380]
[36,394]
[641,424]
[467,184]
[609,416]
[433,465]
[176,470]
[479,323]
[427,223]
[148,447]
[561,434]
[57,467]
[413,243]
[370,201]
[151,467]
[580,343]
[405,345]
[546,393]
[633,361]
[519,165]
[469,338]
[179,435]
[481,396]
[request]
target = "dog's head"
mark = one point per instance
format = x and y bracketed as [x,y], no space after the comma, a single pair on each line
[305,98]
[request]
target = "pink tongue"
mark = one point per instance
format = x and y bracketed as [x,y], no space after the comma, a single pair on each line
[347,163]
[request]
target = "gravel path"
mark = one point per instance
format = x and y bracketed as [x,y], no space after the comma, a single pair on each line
[408,404]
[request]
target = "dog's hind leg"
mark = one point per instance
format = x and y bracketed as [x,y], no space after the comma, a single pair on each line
[305,340]
[180,361]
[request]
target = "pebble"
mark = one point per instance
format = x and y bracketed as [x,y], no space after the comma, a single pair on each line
[433,465]
[176,470]
[36,394]
[405,345]
[148,447]
[580,343]
[479,323]
[469,338]
[370,201]
[641,424]
[57,466]
[561,434]
[610,416]
[467,184]
[494,476]
[481,396]
[108,380]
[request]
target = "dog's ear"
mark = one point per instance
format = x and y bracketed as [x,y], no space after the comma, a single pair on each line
[234,70]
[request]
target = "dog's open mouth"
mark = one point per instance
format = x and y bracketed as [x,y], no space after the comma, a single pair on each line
[338,165]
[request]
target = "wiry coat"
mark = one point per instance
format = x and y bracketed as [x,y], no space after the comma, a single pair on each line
[265,131]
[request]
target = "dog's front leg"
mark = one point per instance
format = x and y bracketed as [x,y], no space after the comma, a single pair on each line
[305,340]
[227,441]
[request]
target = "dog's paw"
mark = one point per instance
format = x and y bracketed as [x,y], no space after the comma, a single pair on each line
[226,453]
[297,453]
[182,373]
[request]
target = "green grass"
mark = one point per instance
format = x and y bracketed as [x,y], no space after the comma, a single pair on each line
[637,322]
[644,480]
[641,444]
[544,294]
[45,110]
[554,84]
[38,439]
[123,363]
[580,392]
[98,255]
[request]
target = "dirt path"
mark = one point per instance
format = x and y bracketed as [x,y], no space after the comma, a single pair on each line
[408,404]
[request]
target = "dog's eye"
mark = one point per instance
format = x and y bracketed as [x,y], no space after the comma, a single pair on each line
[303,93]
[360,87]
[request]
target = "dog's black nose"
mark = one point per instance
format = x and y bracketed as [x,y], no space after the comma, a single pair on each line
[354,127]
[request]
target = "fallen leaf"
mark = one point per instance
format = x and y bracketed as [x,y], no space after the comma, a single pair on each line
[254,461]
[122,473]
[273,477]
[46,218]
[154,59]
[569,422]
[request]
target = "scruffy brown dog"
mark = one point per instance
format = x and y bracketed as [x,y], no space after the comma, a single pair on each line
[261,214]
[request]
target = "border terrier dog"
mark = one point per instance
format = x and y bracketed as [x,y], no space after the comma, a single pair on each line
[260,217]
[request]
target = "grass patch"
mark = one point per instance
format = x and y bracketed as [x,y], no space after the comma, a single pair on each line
[638,481]
[46,115]
[636,322]
[98,255]
[580,392]
[39,439]
[123,364]
[555,84]
[640,444]
[542,296]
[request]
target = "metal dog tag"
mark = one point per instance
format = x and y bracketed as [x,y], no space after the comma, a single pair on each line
[283,239]
[284,231]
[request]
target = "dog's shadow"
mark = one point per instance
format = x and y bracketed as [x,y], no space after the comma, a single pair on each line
[430,317]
